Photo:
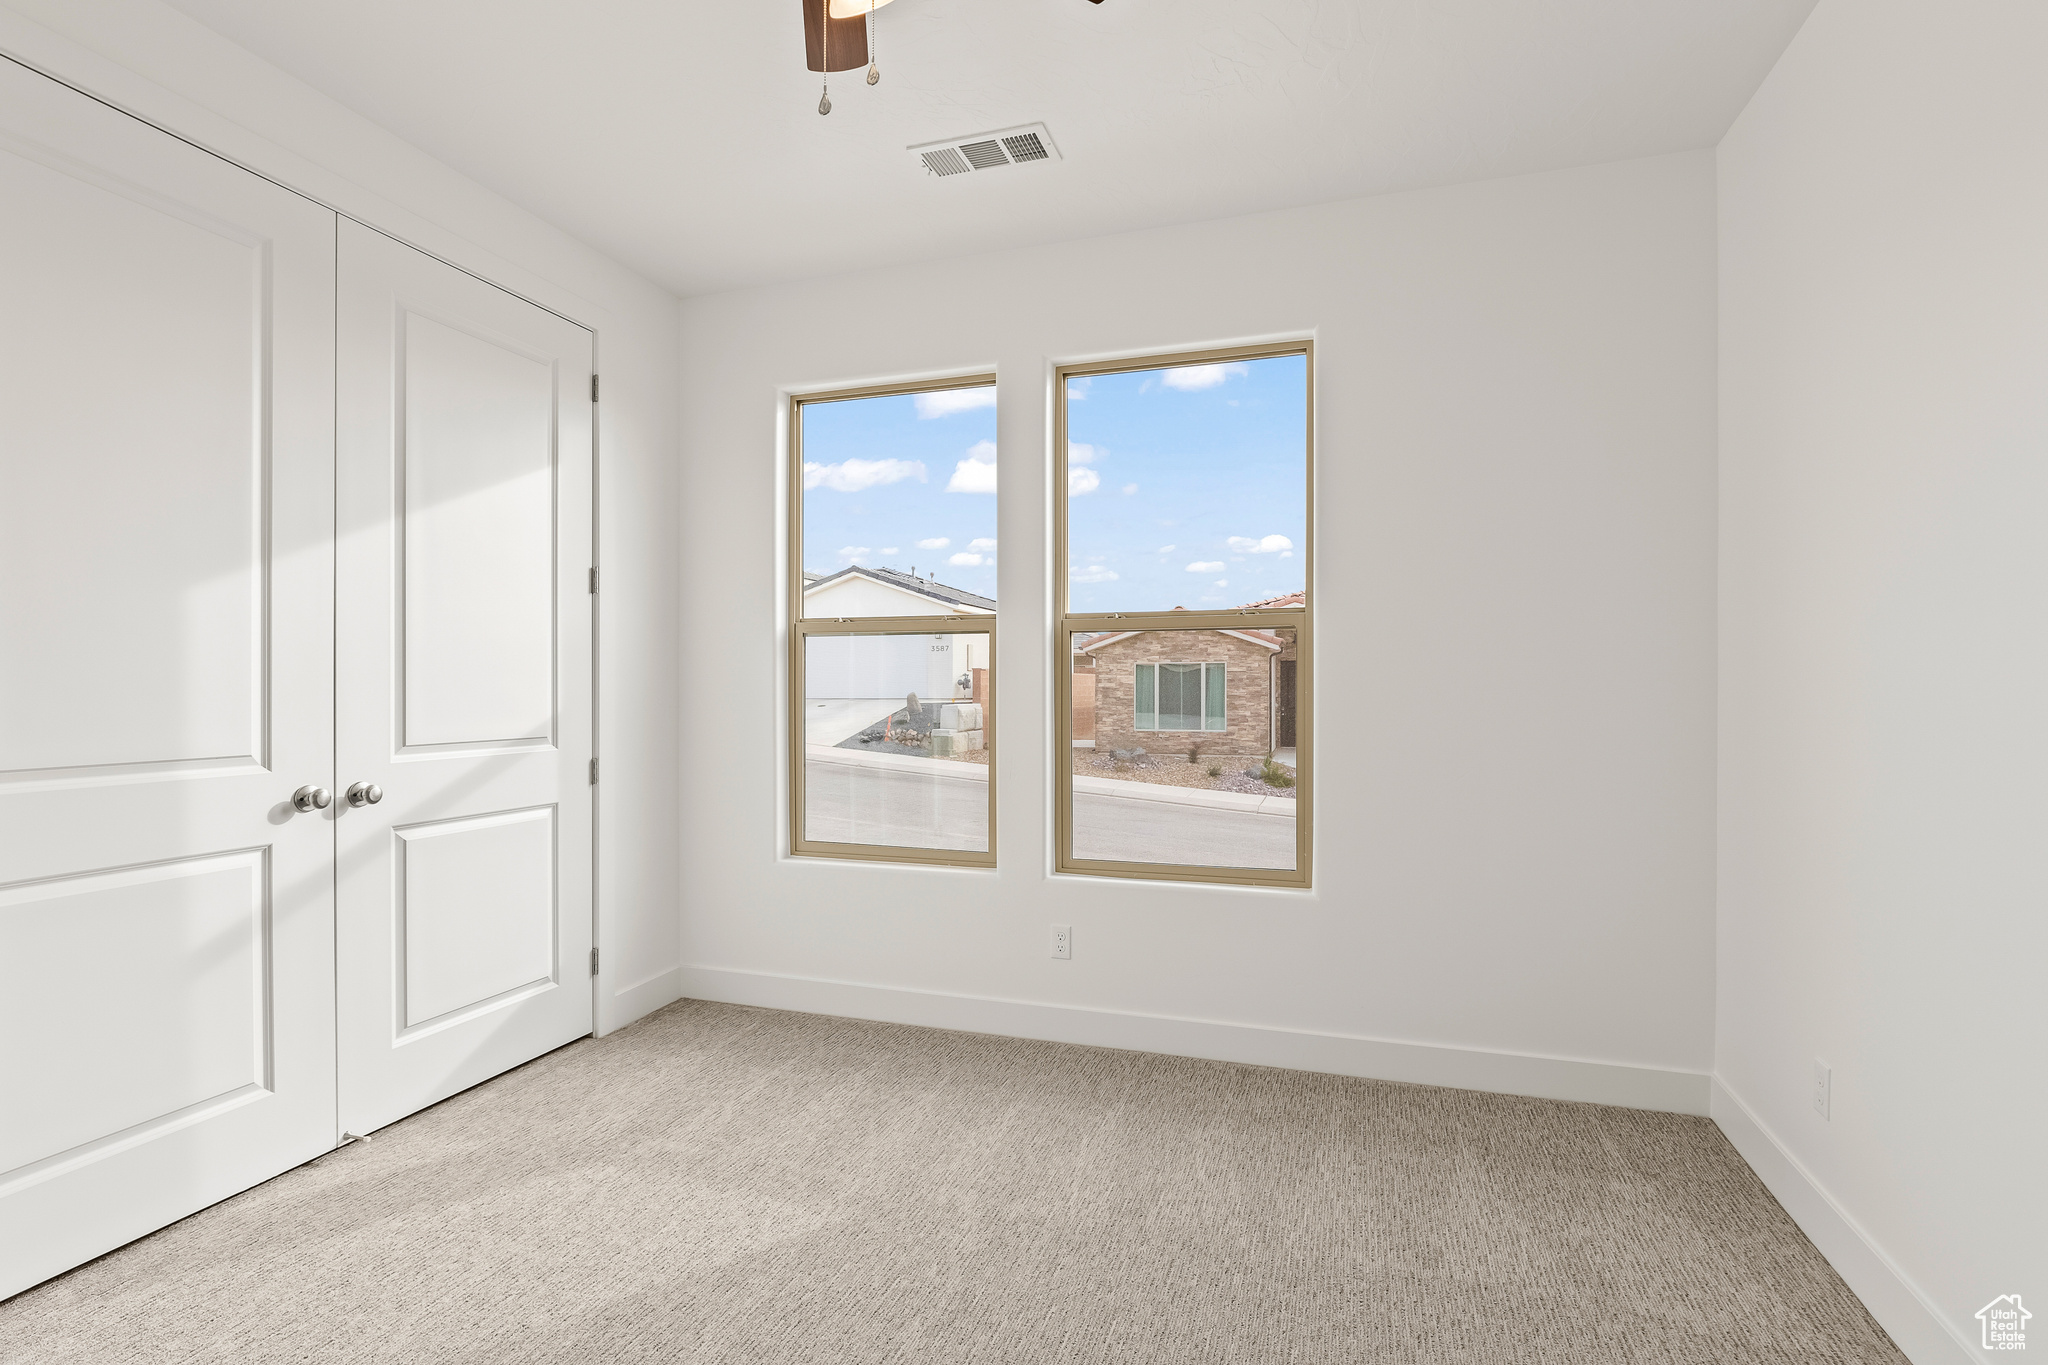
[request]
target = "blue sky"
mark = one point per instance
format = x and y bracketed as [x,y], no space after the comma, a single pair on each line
[1187,487]
[904,481]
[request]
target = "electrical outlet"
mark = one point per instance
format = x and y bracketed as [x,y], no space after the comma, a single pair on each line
[1063,941]
[1823,1085]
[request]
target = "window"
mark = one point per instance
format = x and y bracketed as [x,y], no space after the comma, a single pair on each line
[1180,697]
[892,609]
[1184,529]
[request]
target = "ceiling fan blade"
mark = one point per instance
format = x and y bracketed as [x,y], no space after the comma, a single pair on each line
[849,39]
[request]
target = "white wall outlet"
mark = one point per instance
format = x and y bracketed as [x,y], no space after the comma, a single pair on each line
[1823,1084]
[1063,941]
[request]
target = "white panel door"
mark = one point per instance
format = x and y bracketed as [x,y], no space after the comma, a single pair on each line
[166,522]
[463,672]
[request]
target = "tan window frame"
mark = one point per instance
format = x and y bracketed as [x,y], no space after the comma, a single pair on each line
[800,630]
[1068,624]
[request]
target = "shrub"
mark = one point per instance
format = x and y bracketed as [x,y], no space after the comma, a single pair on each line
[1275,773]
[1195,752]
[1215,770]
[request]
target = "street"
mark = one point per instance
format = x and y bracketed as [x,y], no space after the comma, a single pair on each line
[846,803]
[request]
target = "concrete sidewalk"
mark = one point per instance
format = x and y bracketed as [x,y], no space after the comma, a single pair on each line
[1281,806]
[902,763]
[828,720]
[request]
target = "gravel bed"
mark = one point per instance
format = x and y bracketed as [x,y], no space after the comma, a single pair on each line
[902,733]
[1173,770]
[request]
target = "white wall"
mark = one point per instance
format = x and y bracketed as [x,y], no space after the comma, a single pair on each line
[1884,649]
[1516,462]
[153,61]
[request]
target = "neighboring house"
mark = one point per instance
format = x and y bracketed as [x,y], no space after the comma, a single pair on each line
[936,666]
[1163,690]
[859,591]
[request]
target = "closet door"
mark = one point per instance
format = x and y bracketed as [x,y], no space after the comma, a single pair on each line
[166,522]
[463,677]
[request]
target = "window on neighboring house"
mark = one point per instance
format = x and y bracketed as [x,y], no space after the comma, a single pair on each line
[892,623]
[1184,525]
[1180,697]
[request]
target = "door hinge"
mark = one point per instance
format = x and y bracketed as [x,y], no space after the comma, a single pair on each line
[593,772]
[593,578]
[593,388]
[593,962]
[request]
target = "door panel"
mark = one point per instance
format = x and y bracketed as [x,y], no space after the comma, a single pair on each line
[478,562]
[188,1023]
[476,911]
[464,666]
[141,390]
[166,591]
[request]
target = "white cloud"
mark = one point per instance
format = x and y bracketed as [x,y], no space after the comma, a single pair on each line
[1130,488]
[976,473]
[1205,566]
[1094,573]
[851,476]
[1222,582]
[946,402]
[1077,389]
[1287,554]
[1189,377]
[1260,545]
[1165,549]
[935,543]
[981,543]
[853,554]
[965,560]
[1078,453]
[891,550]
[1081,481]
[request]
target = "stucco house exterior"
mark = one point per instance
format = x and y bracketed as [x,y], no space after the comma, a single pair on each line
[933,666]
[861,591]
[1233,691]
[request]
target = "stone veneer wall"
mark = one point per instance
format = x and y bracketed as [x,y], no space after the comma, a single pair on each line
[1247,676]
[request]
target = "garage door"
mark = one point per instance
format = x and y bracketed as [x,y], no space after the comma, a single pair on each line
[868,665]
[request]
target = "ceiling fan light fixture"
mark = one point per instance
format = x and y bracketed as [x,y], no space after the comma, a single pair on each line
[854,9]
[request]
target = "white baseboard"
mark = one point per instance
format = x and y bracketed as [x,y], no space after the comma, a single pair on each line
[1507,1073]
[1892,1298]
[628,1003]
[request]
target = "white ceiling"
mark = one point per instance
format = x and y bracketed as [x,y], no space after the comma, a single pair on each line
[683,137]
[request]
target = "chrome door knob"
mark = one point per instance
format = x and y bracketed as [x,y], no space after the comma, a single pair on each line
[311,798]
[365,794]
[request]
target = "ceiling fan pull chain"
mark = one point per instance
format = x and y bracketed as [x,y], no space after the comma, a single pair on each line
[825,22]
[874,68]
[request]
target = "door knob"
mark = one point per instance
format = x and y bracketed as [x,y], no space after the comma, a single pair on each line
[365,794]
[311,798]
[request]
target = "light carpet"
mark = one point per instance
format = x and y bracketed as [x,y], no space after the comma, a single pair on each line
[719,1184]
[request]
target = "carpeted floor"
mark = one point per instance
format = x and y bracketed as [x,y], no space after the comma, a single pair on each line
[718,1184]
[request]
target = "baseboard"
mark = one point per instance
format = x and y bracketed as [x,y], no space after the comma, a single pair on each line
[1892,1298]
[1507,1073]
[628,1003]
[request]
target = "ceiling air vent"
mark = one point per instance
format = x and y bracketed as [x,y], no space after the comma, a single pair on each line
[986,151]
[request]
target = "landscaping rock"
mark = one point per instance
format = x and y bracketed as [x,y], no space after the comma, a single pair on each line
[960,716]
[949,743]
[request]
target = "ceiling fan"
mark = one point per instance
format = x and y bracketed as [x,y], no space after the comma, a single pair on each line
[842,42]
